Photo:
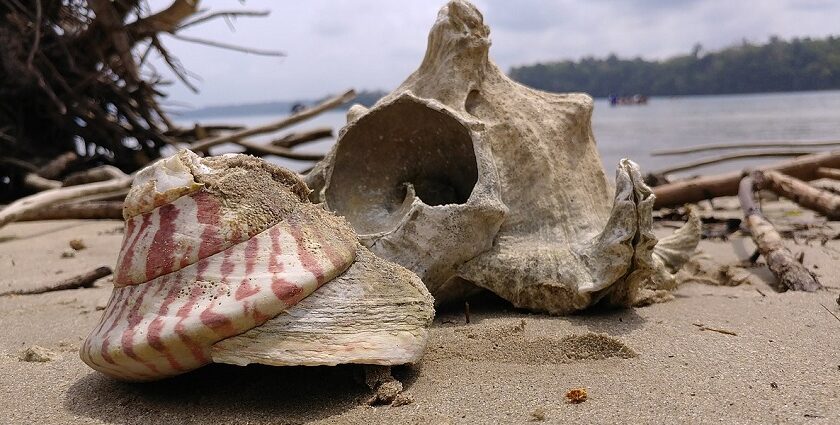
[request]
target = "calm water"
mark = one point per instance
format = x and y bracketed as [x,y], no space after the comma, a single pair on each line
[634,131]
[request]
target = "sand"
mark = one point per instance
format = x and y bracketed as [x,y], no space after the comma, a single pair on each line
[657,364]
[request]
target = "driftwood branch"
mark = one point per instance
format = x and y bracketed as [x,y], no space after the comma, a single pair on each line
[257,149]
[22,206]
[96,174]
[205,145]
[227,46]
[732,157]
[821,201]
[698,189]
[37,183]
[790,273]
[721,146]
[828,173]
[93,210]
[85,280]
[58,165]
[223,14]
[293,139]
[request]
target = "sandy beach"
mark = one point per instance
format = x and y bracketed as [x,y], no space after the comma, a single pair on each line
[714,354]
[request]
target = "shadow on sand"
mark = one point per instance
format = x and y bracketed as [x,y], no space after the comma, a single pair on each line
[222,393]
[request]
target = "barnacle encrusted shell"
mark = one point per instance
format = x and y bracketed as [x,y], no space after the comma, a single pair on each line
[215,247]
[470,179]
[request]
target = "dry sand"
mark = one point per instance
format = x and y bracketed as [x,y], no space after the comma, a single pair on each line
[648,365]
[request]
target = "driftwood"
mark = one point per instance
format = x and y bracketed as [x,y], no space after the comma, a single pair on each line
[85,280]
[821,201]
[828,173]
[732,157]
[96,174]
[721,146]
[790,272]
[698,189]
[293,139]
[257,149]
[38,184]
[206,144]
[94,210]
[23,206]
[57,165]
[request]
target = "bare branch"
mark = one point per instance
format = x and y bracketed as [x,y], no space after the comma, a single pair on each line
[228,46]
[225,14]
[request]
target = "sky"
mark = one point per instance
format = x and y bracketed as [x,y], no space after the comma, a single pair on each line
[333,45]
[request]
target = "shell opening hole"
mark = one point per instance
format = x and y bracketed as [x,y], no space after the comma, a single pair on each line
[395,153]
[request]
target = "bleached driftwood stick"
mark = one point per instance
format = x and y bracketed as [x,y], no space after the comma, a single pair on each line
[105,189]
[293,139]
[791,274]
[204,145]
[732,157]
[828,173]
[707,187]
[821,201]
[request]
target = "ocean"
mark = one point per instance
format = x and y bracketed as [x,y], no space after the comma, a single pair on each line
[665,122]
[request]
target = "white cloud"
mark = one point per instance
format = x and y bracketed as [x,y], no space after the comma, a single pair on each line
[336,44]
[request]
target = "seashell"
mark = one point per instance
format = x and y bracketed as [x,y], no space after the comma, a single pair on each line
[225,260]
[480,182]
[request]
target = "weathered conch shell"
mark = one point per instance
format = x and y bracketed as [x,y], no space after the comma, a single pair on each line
[224,259]
[469,179]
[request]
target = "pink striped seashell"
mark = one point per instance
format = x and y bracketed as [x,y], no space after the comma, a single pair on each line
[213,248]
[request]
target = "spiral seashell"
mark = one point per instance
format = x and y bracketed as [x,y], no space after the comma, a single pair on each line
[215,247]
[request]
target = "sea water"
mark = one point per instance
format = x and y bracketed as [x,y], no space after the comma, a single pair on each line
[665,122]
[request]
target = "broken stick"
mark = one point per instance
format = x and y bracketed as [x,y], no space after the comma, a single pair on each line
[791,274]
[85,280]
[94,210]
[293,139]
[732,157]
[828,173]
[206,144]
[720,146]
[821,201]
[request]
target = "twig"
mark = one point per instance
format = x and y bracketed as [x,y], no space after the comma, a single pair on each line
[96,174]
[293,139]
[720,146]
[38,183]
[85,280]
[204,145]
[830,312]
[718,330]
[731,157]
[260,150]
[225,14]
[227,46]
[57,166]
[828,173]
[759,291]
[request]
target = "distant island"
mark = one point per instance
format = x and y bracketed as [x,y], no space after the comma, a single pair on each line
[776,66]
[281,107]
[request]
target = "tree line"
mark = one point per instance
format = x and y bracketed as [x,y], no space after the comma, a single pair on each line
[778,65]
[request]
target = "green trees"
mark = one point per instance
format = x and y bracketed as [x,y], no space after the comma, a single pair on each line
[778,65]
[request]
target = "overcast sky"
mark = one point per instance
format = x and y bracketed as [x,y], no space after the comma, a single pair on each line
[331,45]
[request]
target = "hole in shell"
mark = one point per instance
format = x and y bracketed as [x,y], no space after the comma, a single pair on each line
[397,152]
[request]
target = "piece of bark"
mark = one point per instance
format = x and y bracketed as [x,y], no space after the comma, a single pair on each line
[721,146]
[821,201]
[790,273]
[94,210]
[85,280]
[57,166]
[707,187]
[15,210]
[828,173]
[206,144]
[293,139]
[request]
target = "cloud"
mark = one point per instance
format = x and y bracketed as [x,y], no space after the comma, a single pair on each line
[332,45]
